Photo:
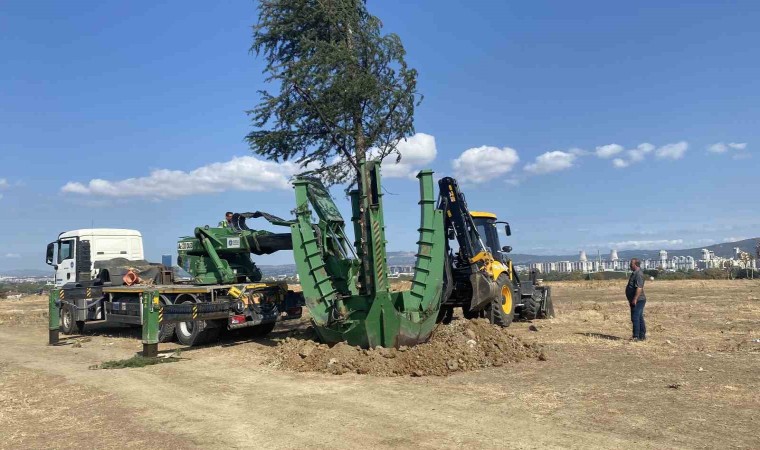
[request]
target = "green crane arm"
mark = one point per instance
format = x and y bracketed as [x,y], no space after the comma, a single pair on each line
[222,267]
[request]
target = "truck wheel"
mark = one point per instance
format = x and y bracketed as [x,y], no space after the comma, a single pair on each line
[501,311]
[188,332]
[530,307]
[192,332]
[262,329]
[166,330]
[67,319]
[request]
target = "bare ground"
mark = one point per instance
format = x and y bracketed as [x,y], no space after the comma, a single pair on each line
[693,384]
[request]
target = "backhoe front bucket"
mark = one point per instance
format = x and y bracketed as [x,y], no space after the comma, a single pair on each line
[346,288]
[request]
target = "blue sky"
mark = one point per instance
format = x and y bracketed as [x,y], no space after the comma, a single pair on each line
[535,106]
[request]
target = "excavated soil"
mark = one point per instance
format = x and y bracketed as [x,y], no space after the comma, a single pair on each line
[462,346]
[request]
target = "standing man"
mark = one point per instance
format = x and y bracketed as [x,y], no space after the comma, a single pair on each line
[634,292]
[227,223]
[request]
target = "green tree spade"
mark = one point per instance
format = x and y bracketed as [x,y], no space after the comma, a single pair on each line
[344,89]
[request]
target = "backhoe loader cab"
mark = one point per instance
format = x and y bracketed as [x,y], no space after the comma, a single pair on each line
[531,301]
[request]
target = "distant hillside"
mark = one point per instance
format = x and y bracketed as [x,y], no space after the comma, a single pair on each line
[24,273]
[273,271]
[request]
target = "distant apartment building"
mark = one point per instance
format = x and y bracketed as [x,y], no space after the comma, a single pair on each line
[614,263]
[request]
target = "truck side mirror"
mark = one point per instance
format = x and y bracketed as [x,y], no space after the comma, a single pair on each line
[507,230]
[50,254]
[506,248]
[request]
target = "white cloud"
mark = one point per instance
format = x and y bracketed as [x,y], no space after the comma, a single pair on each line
[646,245]
[578,152]
[551,162]
[619,163]
[720,147]
[244,173]
[672,151]
[3,183]
[637,154]
[416,152]
[12,255]
[739,156]
[480,164]
[608,151]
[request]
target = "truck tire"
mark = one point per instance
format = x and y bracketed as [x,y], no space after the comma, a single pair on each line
[531,306]
[263,329]
[194,332]
[166,330]
[501,311]
[187,332]
[68,323]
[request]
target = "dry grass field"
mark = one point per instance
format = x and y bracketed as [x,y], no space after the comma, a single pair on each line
[694,384]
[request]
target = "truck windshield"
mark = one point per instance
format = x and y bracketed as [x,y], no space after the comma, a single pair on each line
[65,249]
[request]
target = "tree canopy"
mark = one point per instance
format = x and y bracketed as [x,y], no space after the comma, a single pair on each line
[344,91]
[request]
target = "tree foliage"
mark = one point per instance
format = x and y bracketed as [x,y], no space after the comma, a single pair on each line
[344,90]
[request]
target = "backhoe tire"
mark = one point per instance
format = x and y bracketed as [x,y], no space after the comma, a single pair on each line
[547,312]
[469,314]
[531,306]
[501,311]
[68,323]
[445,315]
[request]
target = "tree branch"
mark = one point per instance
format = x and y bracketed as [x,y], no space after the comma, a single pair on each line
[330,127]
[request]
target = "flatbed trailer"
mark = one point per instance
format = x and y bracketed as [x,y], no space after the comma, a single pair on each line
[194,313]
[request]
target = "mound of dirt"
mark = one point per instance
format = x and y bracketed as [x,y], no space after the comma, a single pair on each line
[461,346]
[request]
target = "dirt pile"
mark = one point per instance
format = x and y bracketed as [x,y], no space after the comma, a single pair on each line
[462,346]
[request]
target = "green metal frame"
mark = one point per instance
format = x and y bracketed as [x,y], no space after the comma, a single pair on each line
[54,317]
[151,308]
[347,290]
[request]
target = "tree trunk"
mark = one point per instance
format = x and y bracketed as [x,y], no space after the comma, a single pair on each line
[362,182]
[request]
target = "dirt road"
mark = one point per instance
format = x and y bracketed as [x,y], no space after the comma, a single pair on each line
[694,384]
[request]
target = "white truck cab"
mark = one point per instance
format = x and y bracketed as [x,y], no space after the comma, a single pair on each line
[72,255]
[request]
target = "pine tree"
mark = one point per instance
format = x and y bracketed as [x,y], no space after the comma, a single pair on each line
[344,89]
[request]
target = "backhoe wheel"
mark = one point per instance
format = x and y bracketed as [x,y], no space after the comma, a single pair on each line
[531,306]
[547,310]
[445,315]
[469,314]
[501,311]
[68,323]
